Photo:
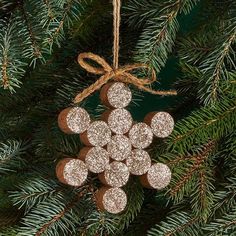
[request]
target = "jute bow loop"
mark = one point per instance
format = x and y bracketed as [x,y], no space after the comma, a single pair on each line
[122,74]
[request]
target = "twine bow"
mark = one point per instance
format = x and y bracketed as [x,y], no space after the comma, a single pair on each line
[122,74]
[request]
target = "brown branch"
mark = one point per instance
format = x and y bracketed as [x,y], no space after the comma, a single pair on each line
[161,35]
[86,19]
[50,12]
[204,125]
[198,160]
[62,213]
[57,30]
[178,160]
[5,78]
[202,188]
[37,51]
[181,228]
[218,69]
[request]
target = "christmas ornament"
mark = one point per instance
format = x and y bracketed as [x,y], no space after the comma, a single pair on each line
[114,145]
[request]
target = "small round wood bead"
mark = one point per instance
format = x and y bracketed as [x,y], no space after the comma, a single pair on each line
[74,120]
[157,177]
[161,123]
[116,95]
[95,158]
[112,200]
[138,162]
[98,134]
[72,171]
[141,135]
[115,175]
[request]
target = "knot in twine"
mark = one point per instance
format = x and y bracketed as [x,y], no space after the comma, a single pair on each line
[122,74]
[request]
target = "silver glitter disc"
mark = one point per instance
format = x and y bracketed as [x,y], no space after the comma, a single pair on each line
[139,162]
[159,176]
[78,120]
[141,135]
[75,172]
[119,148]
[116,174]
[97,159]
[114,200]
[162,124]
[120,121]
[98,133]
[119,95]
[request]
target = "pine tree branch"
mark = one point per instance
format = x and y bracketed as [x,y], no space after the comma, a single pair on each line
[57,30]
[57,217]
[204,124]
[181,228]
[36,48]
[198,160]
[217,64]
[176,224]
[225,225]
[10,156]
[5,78]
[159,33]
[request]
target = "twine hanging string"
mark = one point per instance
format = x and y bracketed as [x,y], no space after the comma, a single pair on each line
[116,28]
[122,74]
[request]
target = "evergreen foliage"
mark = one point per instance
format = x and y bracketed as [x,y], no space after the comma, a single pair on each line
[39,76]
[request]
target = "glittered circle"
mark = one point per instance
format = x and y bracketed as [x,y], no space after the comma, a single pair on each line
[119,148]
[138,162]
[141,135]
[98,133]
[116,174]
[78,120]
[120,121]
[159,176]
[97,159]
[162,124]
[75,172]
[119,95]
[114,200]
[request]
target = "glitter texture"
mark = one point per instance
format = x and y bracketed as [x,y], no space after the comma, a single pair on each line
[116,174]
[139,162]
[78,120]
[114,200]
[75,172]
[120,121]
[119,148]
[141,135]
[159,176]
[162,124]
[98,133]
[97,159]
[119,95]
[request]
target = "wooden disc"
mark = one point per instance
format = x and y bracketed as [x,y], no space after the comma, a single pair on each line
[72,171]
[74,120]
[116,95]
[115,175]
[157,177]
[112,200]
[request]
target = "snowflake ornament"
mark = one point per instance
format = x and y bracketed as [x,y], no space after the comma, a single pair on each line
[114,148]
